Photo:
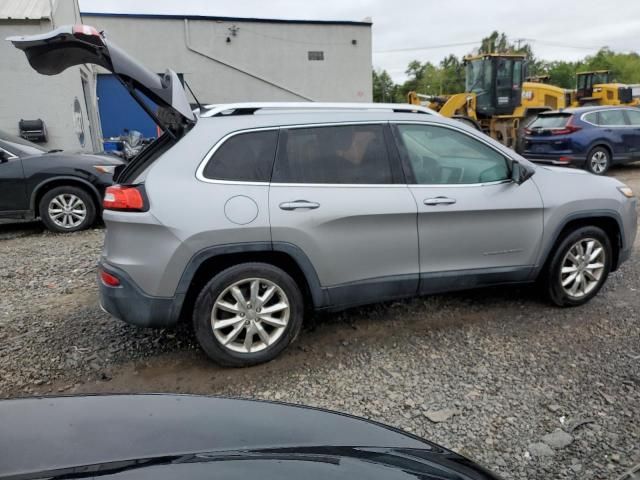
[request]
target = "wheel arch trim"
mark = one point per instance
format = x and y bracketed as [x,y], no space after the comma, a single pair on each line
[318,294]
[583,215]
[38,188]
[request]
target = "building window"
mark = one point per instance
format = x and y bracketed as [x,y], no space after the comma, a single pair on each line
[316,55]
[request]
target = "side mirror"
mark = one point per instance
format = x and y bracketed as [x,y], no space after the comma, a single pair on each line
[520,173]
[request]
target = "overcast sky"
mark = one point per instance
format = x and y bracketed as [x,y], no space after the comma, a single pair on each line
[431,29]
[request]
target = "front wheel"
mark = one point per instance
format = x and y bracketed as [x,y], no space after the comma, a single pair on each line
[67,209]
[598,161]
[579,267]
[248,314]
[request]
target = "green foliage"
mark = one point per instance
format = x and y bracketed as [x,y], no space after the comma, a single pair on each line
[448,76]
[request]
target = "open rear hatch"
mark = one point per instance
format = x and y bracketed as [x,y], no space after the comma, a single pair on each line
[53,52]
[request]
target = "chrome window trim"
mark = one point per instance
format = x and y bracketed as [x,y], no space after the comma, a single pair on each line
[12,156]
[200,170]
[608,110]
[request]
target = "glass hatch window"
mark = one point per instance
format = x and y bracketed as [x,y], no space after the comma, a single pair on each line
[550,121]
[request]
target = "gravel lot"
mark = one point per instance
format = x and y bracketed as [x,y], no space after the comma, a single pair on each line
[527,389]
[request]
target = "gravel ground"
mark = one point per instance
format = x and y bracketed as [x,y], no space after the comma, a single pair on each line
[529,390]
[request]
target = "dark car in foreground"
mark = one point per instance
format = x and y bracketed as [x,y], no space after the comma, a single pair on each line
[63,189]
[593,138]
[192,437]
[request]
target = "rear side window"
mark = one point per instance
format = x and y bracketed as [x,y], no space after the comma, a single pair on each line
[550,121]
[246,157]
[611,117]
[349,154]
[591,118]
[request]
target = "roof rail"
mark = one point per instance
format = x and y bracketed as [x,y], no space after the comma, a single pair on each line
[251,108]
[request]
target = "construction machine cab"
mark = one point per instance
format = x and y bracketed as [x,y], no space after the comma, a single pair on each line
[586,80]
[496,80]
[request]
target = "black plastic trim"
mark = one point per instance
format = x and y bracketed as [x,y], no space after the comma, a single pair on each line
[96,194]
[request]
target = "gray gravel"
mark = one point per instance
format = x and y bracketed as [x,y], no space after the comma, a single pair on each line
[529,390]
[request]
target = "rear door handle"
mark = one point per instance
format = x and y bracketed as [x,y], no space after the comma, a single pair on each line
[439,201]
[299,204]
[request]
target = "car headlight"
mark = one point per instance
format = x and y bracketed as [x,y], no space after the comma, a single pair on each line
[626,191]
[105,168]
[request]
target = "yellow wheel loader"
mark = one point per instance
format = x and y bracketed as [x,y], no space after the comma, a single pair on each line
[596,88]
[496,99]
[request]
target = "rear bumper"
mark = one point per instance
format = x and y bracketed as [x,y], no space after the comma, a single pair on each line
[574,160]
[127,302]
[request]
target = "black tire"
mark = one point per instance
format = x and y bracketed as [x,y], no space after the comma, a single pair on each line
[69,192]
[203,311]
[553,283]
[598,161]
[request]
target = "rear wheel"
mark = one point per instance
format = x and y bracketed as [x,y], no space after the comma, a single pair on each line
[579,267]
[248,314]
[67,209]
[598,161]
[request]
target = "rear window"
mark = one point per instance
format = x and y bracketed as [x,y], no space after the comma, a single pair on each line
[246,157]
[550,121]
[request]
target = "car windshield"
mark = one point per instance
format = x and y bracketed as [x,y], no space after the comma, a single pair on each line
[20,146]
[550,121]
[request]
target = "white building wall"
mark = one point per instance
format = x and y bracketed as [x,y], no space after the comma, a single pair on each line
[261,62]
[28,95]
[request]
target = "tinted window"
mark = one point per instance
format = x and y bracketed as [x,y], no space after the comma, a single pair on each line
[611,117]
[550,121]
[344,154]
[438,155]
[244,157]
[591,118]
[633,116]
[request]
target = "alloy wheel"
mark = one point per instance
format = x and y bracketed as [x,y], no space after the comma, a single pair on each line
[599,161]
[67,210]
[582,267]
[250,315]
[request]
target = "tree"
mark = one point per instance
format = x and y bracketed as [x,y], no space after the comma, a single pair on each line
[383,87]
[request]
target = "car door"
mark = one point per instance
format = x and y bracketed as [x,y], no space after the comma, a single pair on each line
[475,225]
[13,190]
[616,130]
[337,195]
[633,119]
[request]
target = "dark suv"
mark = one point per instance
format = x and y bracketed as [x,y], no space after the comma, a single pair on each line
[591,137]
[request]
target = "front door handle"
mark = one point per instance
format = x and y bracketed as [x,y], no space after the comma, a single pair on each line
[439,201]
[299,204]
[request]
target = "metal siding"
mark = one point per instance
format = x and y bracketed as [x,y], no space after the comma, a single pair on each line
[24,9]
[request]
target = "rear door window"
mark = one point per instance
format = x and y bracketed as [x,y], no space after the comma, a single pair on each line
[550,121]
[634,117]
[611,118]
[245,157]
[346,154]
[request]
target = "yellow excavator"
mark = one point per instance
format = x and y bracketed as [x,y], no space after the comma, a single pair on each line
[596,88]
[496,99]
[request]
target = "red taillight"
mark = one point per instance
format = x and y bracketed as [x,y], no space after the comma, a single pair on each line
[109,279]
[564,160]
[124,197]
[85,30]
[566,130]
[528,131]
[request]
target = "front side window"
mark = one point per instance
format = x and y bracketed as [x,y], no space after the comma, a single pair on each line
[438,156]
[348,154]
[246,157]
[611,117]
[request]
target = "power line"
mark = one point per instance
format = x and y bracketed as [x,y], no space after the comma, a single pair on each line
[430,47]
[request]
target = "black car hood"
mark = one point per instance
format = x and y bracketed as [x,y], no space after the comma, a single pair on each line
[57,436]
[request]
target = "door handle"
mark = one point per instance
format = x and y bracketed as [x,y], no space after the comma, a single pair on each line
[439,201]
[299,204]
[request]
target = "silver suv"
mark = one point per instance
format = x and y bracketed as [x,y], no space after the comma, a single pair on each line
[243,217]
